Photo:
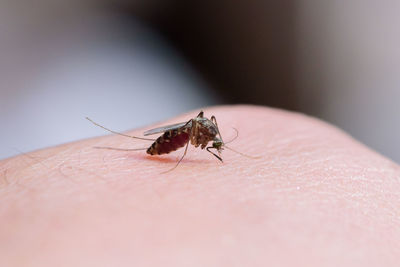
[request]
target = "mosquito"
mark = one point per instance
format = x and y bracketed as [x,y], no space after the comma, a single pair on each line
[198,131]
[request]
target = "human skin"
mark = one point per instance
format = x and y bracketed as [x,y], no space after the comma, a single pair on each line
[315,197]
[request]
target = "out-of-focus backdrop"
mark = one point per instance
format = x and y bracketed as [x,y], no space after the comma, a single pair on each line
[131,63]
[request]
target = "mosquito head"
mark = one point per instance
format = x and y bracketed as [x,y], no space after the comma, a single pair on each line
[218,144]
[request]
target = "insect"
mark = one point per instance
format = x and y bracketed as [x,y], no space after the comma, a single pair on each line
[198,131]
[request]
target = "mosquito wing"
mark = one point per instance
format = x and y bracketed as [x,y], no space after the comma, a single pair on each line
[168,128]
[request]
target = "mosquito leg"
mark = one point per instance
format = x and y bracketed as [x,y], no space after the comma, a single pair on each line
[119,149]
[201,114]
[114,132]
[218,157]
[240,153]
[186,148]
[214,120]
[179,161]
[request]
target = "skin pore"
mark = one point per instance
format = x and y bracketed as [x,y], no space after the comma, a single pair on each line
[316,197]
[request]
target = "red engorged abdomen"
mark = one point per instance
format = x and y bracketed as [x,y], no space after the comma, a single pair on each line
[174,143]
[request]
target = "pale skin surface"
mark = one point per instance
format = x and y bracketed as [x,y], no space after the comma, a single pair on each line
[315,198]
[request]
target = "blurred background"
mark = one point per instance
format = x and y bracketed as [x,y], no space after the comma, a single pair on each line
[128,63]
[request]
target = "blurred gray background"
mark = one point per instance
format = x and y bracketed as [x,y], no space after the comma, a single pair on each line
[127,64]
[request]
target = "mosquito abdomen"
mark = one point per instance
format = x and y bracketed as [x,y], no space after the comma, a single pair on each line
[168,142]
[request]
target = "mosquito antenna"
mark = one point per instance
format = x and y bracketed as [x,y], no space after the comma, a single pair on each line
[234,138]
[114,132]
[240,153]
[119,149]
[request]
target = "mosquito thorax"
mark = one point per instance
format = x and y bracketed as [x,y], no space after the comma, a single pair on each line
[204,131]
